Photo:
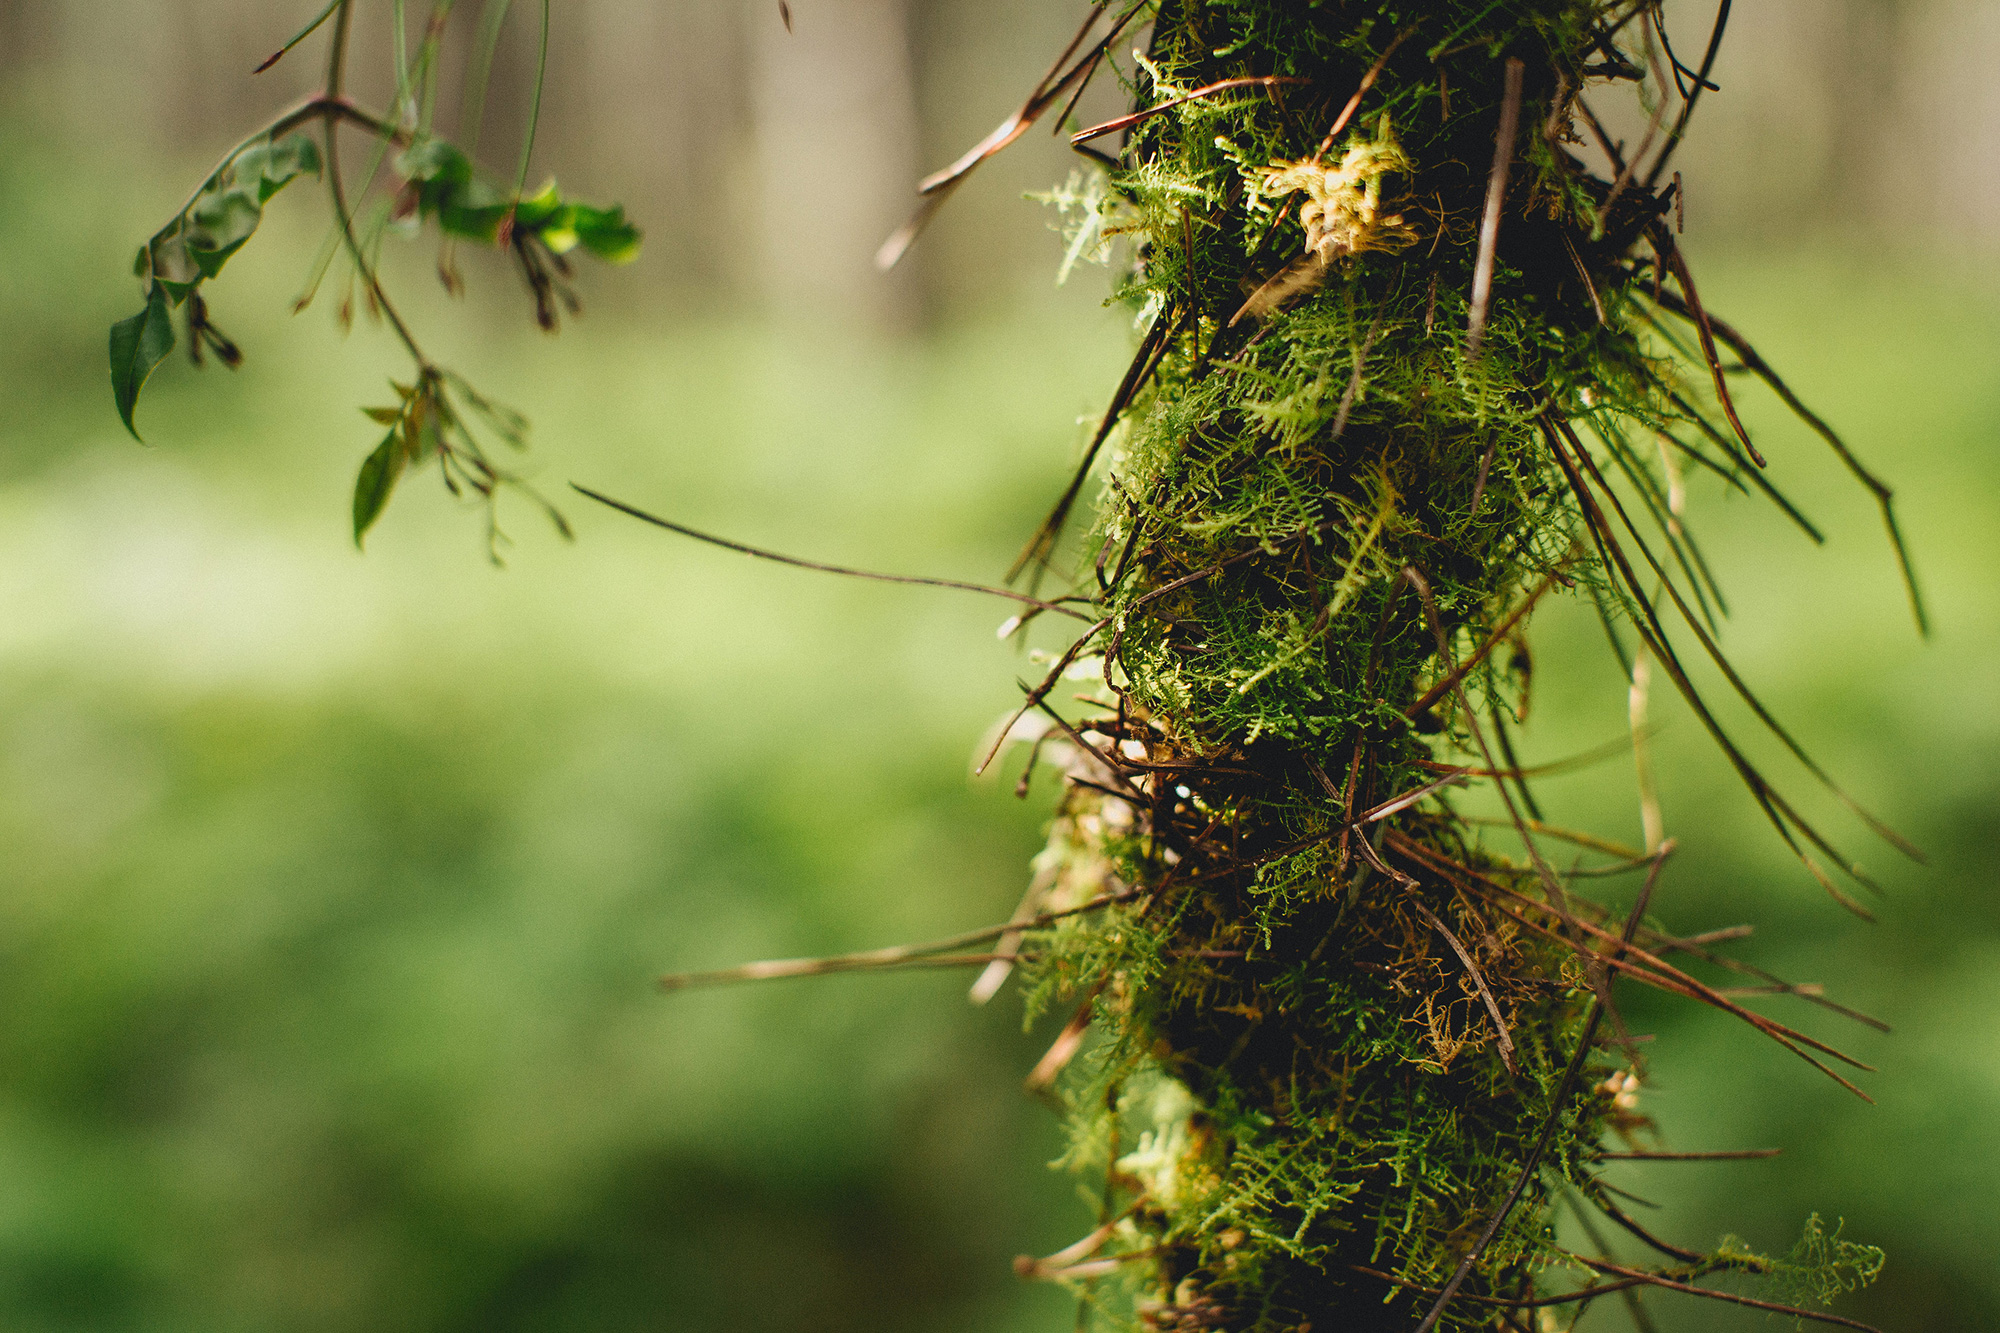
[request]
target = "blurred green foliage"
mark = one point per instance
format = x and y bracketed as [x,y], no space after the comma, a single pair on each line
[334,884]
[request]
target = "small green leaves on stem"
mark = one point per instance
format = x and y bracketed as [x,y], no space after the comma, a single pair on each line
[435,416]
[429,421]
[540,229]
[224,212]
[442,184]
[211,226]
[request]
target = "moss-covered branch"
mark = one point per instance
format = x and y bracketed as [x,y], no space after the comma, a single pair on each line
[1405,371]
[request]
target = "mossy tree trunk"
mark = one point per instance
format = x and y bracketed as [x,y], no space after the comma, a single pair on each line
[1349,1058]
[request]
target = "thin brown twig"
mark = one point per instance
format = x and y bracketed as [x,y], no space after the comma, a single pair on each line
[1654,972]
[1457,674]
[1040,692]
[1687,107]
[939,185]
[1558,900]
[1367,82]
[1501,1302]
[1067,1043]
[1409,798]
[1126,122]
[1737,683]
[1030,1267]
[796,562]
[1496,197]
[1678,263]
[331,116]
[1625,1220]
[1761,368]
[1776,809]
[1506,1038]
[1563,1090]
[1354,381]
[1645,143]
[898,955]
[1152,350]
[1598,754]
[1744,1155]
[778,969]
[1778,985]
[1688,1288]
[1560,834]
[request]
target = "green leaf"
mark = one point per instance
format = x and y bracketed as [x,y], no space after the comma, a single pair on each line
[138,345]
[379,473]
[434,160]
[605,233]
[450,190]
[540,208]
[225,212]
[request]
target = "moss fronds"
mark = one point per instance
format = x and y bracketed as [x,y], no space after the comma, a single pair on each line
[1348,1056]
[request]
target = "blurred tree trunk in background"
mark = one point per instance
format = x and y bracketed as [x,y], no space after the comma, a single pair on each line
[835,110]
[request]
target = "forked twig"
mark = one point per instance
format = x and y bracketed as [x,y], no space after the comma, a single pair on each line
[939,185]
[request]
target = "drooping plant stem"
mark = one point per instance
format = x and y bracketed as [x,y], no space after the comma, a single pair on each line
[1403,373]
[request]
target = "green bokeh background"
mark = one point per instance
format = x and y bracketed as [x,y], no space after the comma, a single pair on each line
[333,884]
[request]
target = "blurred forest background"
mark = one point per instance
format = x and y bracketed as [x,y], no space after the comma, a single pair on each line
[334,884]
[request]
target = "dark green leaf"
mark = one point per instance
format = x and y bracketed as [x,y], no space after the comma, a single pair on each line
[138,345]
[539,209]
[450,190]
[434,160]
[473,211]
[379,473]
[602,231]
[606,234]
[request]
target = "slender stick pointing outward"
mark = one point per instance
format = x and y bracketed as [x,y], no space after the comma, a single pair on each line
[934,954]
[1743,1155]
[1126,122]
[1496,196]
[1035,602]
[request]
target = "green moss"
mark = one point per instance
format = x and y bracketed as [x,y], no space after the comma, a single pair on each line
[1322,498]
